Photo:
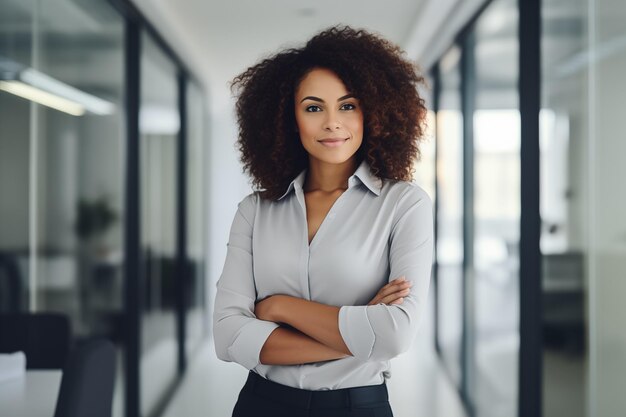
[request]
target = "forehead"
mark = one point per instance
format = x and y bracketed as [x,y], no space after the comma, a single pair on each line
[321,81]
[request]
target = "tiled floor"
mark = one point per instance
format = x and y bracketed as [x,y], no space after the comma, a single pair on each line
[418,386]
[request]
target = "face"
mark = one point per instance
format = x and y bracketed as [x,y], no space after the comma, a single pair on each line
[329,118]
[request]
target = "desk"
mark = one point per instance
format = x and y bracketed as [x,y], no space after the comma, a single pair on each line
[34,395]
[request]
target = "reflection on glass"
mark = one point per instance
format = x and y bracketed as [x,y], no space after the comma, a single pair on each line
[61,175]
[80,176]
[563,140]
[450,216]
[159,125]
[496,123]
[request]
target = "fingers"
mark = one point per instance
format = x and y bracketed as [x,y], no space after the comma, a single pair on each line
[393,292]
[397,297]
[394,286]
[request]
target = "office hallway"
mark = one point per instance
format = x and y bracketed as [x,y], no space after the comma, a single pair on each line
[121,173]
[418,386]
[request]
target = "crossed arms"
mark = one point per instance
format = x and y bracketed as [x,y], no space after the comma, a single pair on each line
[288,330]
[315,335]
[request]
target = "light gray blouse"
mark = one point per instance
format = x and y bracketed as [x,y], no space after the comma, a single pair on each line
[376,231]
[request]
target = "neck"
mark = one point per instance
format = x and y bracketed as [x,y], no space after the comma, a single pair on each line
[322,176]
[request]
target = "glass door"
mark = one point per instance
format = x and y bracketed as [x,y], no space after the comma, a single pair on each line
[496,211]
[450,214]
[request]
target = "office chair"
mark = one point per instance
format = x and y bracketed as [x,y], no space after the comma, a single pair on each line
[88,381]
[45,338]
[10,284]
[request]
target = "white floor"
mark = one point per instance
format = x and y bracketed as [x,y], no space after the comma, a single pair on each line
[418,386]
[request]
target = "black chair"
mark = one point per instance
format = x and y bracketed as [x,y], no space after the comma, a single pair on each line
[10,284]
[45,338]
[88,381]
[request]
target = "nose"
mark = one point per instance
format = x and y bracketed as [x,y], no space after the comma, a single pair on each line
[331,123]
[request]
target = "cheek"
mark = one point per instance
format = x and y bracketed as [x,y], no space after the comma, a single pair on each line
[305,127]
[306,135]
[356,124]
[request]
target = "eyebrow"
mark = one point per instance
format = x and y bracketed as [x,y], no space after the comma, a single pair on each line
[322,101]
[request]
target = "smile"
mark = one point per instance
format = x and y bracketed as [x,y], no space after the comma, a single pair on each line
[332,143]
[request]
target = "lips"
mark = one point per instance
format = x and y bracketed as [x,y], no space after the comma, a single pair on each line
[332,142]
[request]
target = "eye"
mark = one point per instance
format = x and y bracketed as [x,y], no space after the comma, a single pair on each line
[313,108]
[347,106]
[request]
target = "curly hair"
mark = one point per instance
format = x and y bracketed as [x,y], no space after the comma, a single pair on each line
[372,68]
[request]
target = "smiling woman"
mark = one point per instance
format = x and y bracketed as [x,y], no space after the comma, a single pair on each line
[329,119]
[328,264]
[371,68]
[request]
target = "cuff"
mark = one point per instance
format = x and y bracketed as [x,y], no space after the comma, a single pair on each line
[356,330]
[246,349]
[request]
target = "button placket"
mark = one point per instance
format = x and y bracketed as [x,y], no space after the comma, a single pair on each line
[305,249]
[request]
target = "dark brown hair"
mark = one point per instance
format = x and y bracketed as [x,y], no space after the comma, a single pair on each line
[372,68]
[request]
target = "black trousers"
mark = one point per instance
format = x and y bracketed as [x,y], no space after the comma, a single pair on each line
[260,397]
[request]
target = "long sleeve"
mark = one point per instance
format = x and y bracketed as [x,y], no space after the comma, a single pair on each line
[238,334]
[381,332]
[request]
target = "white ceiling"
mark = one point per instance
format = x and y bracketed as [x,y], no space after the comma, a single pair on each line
[219,39]
[234,34]
[225,37]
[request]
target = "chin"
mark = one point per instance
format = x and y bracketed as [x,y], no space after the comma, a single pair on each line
[336,159]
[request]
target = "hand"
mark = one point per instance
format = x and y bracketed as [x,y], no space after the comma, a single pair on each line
[265,309]
[393,293]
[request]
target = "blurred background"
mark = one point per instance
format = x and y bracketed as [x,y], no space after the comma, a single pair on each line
[119,179]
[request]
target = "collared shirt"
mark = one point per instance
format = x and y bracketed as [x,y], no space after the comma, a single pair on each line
[376,231]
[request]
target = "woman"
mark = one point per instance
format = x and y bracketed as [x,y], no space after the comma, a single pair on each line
[328,266]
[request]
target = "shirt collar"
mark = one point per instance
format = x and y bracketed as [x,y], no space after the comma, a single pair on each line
[297,182]
[362,175]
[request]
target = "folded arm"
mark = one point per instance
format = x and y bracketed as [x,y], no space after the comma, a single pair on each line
[249,333]
[287,346]
[320,322]
[380,330]
[239,334]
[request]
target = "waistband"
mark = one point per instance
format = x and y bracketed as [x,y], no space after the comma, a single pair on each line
[301,398]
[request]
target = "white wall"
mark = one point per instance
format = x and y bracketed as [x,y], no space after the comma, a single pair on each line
[607,221]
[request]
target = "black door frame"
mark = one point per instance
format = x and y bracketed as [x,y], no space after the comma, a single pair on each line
[135,24]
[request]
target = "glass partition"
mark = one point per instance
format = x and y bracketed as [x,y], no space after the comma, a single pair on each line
[62,183]
[450,215]
[62,164]
[496,222]
[159,125]
[80,160]
[16,150]
[564,194]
